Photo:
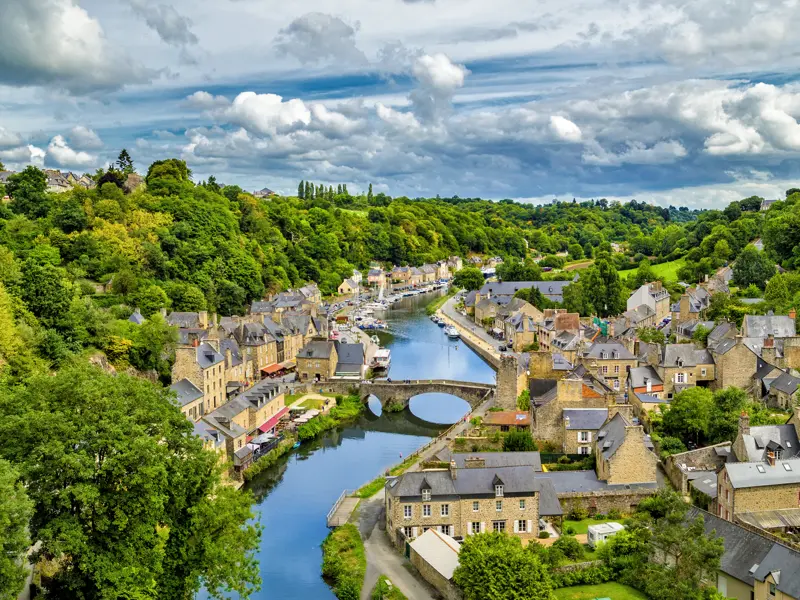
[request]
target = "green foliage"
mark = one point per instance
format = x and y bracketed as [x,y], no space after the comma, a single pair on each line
[494,566]
[777,291]
[268,460]
[570,547]
[370,489]
[383,590]
[519,441]
[348,409]
[753,268]
[468,278]
[121,489]
[15,514]
[394,407]
[344,562]
[577,513]
[524,400]
[700,334]
[589,576]
[651,335]
[28,193]
[671,445]
[514,270]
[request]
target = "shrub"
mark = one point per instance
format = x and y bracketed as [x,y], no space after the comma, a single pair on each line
[599,517]
[588,576]
[569,530]
[577,513]
[569,546]
[543,535]
[614,514]
[344,563]
[564,460]
[519,441]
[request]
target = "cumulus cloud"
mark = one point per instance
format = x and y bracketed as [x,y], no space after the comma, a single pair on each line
[205,101]
[8,138]
[266,113]
[438,79]
[84,138]
[23,156]
[56,42]
[318,37]
[60,154]
[564,129]
[172,27]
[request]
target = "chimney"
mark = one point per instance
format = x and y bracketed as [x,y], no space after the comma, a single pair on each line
[744,424]
[566,422]
[228,358]
[453,469]
[195,342]
[771,458]
[214,320]
[202,316]
[770,341]
[792,314]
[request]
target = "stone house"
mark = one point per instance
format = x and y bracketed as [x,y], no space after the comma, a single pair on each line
[435,556]
[317,361]
[611,362]
[624,453]
[417,277]
[465,501]
[749,491]
[204,366]
[692,306]
[376,278]
[304,326]
[763,326]
[428,273]
[753,444]
[552,290]
[507,420]
[455,264]
[645,380]
[735,363]
[752,562]
[442,270]
[347,288]
[520,331]
[401,275]
[190,399]
[783,392]
[682,366]
[235,369]
[580,429]
[469,302]
[311,293]
[654,296]
[350,361]
[554,323]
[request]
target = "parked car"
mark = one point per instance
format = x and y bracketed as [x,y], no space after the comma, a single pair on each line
[502,348]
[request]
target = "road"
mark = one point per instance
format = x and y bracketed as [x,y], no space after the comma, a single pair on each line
[466,324]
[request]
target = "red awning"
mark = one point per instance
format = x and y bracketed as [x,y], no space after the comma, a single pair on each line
[272,369]
[274,420]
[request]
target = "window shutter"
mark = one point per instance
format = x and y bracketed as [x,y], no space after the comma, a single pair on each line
[469,527]
[530,526]
[413,532]
[590,436]
[439,528]
[516,526]
[483,526]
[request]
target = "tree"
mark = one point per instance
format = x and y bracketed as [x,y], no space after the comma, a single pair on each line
[15,513]
[569,546]
[519,441]
[689,414]
[69,216]
[603,289]
[301,190]
[494,566]
[670,445]
[149,299]
[469,278]
[28,193]
[126,500]
[125,163]
[2,166]
[46,292]
[369,195]
[575,251]
[644,274]
[575,301]
[777,292]
[651,335]
[700,334]
[752,267]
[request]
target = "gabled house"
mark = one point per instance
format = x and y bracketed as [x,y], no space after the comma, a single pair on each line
[683,366]
[348,287]
[769,325]
[655,297]
[624,453]
[203,366]
[317,361]
[610,361]
[376,278]
[735,363]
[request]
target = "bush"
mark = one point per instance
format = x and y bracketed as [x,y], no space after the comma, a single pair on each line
[519,441]
[614,514]
[543,535]
[594,575]
[570,547]
[344,563]
[577,513]
[564,460]
[524,400]
[569,530]
[267,460]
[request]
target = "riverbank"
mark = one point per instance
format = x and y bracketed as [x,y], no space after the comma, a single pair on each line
[436,304]
[480,346]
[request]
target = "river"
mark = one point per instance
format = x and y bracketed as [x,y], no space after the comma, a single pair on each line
[293,498]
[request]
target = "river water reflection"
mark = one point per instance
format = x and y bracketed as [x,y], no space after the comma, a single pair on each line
[293,498]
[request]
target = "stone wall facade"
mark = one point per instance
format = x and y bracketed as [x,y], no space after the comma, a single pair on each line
[445,587]
[736,367]
[507,382]
[601,502]
[631,463]
[702,459]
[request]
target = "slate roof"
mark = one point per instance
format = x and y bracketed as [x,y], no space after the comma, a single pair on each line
[685,355]
[549,506]
[566,340]
[188,320]
[784,565]
[207,356]
[760,474]
[468,482]
[566,482]
[722,331]
[236,354]
[705,482]
[639,376]
[611,436]
[784,438]
[350,354]
[650,399]
[440,551]
[786,383]
[554,290]
[316,350]
[743,549]
[612,350]
[723,346]
[136,317]
[187,391]
[469,299]
[761,326]
[501,459]
[639,314]
[585,418]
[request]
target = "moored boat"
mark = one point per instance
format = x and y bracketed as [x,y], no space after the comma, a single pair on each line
[452,332]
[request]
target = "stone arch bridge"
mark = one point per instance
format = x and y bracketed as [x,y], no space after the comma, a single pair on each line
[402,391]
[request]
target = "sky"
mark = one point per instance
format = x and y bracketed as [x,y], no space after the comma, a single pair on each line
[668,101]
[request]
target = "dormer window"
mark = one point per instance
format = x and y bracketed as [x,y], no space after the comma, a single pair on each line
[603,355]
[680,362]
[615,354]
[498,491]
[426,495]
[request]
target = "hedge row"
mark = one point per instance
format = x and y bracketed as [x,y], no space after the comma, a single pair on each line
[344,562]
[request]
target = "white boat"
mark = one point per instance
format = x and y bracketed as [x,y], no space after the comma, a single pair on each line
[372,306]
[452,332]
[382,359]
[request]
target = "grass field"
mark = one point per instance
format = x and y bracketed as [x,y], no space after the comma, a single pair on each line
[615,591]
[313,403]
[583,526]
[667,270]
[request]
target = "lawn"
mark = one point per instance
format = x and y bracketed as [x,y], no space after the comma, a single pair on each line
[667,270]
[313,403]
[615,591]
[290,399]
[583,526]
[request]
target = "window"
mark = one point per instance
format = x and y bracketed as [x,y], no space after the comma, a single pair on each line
[616,368]
[447,529]
[522,504]
[522,526]
[498,505]
[498,490]
[680,378]
[408,532]
[499,526]
[727,495]
[605,369]
[702,372]
[616,384]
[476,527]
[772,589]
[407,511]
[426,510]
[584,436]
[475,506]
[445,510]
[585,450]
[426,495]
